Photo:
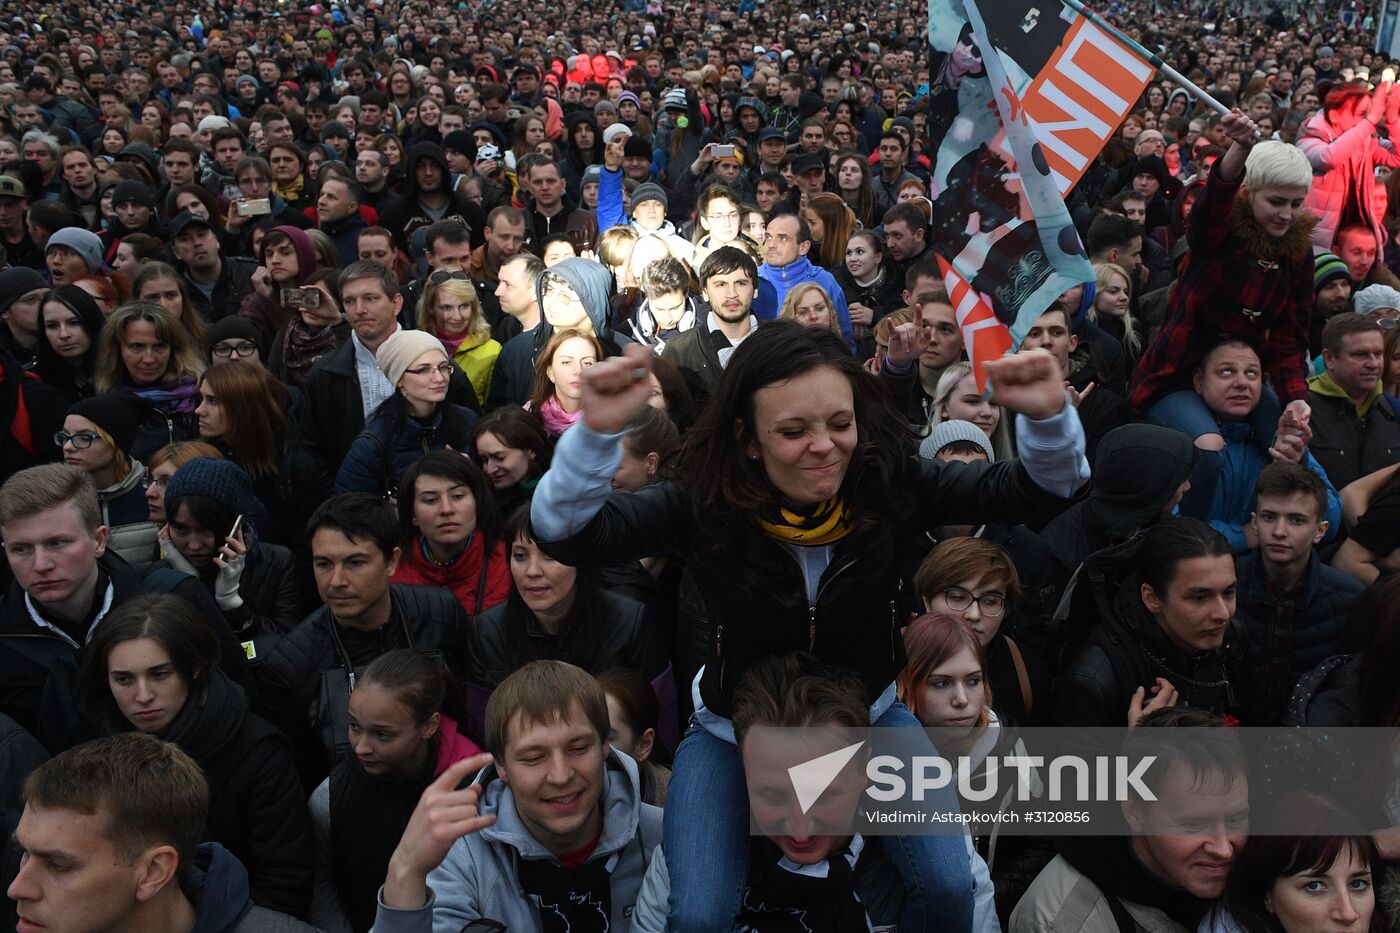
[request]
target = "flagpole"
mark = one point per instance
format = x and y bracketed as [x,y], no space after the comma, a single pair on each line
[1155,59]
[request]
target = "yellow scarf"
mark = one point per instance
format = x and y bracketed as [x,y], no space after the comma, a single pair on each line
[829,521]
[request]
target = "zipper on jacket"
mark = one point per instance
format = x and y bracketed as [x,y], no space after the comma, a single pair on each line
[812,628]
[719,652]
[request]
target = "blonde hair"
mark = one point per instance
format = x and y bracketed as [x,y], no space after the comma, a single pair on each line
[1102,270]
[1273,163]
[615,246]
[794,297]
[461,289]
[185,356]
[947,385]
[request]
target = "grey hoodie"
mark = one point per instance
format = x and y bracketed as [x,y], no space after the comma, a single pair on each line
[478,878]
[593,283]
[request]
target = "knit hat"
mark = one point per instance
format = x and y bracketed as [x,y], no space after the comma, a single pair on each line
[83,242]
[614,131]
[119,415]
[246,79]
[1154,166]
[1327,267]
[403,347]
[592,175]
[137,191]
[628,96]
[334,129]
[232,327]
[221,480]
[674,99]
[211,123]
[637,148]
[950,432]
[649,191]
[460,141]
[16,282]
[1374,297]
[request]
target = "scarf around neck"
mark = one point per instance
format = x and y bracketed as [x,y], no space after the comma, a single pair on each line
[556,419]
[303,346]
[825,523]
[178,398]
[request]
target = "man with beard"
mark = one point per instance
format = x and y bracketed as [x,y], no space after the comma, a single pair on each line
[729,279]
[426,197]
[1331,296]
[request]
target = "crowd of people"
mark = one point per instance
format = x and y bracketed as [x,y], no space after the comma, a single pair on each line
[438,437]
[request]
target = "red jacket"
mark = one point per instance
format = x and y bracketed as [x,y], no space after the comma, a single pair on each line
[1236,281]
[462,576]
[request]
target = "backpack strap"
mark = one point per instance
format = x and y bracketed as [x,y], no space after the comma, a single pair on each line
[481,581]
[1023,679]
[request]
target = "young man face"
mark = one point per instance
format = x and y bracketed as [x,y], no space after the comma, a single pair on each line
[811,837]
[78,171]
[53,555]
[1332,298]
[504,239]
[1051,332]
[450,256]
[945,342]
[74,879]
[555,772]
[1190,836]
[1198,604]
[902,242]
[352,576]
[1288,527]
[1356,248]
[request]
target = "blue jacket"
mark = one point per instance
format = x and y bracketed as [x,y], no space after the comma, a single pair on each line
[1234,493]
[767,302]
[362,470]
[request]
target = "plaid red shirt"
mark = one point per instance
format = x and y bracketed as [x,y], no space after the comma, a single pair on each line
[1224,291]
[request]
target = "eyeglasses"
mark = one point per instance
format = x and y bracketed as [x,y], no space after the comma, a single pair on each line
[243,348]
[442,369]
[958,599]
[447,275]
[150,481]
[81,441]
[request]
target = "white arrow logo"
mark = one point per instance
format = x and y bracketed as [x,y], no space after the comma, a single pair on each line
[811,778]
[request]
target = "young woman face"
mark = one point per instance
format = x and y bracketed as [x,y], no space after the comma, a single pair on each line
[814,310]
[1112,299]
[815,223]
[156,480]
[1341,897]
[983,605]
[543,583]
[965,403]
[565,370]
[861,258]
[623,737]
[383,734]
[164,292]
[848,175]
[213,422]
[144,354]
[425,380]
[98,455]
[635,470]
[504,465]
[804,431]
[145,685]
[63,332]
[534,133]
[444,510]
[453,315]
[198,544]
[954,693]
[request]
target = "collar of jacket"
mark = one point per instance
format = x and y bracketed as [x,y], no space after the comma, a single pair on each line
[1259,581]
[1258,244]
[1326,386]
[796,271]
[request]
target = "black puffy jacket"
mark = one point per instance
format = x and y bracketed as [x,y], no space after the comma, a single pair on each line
[304,682]
[855,621]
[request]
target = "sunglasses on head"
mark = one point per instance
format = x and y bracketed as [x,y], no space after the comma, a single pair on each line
[447,275]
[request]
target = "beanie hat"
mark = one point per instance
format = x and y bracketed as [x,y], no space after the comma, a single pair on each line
[628,96]
[16,281]
[334,129]
[403,347]
[232,327]
[119,415]
[637,147]
[950,432]
[221,480]
[614,131]
[212,122]
[649,191]
[1154,166]
[674,99]
[592,175]
[137,191]
[1374,297]
[460,141]
[83,242]
[1327,267]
